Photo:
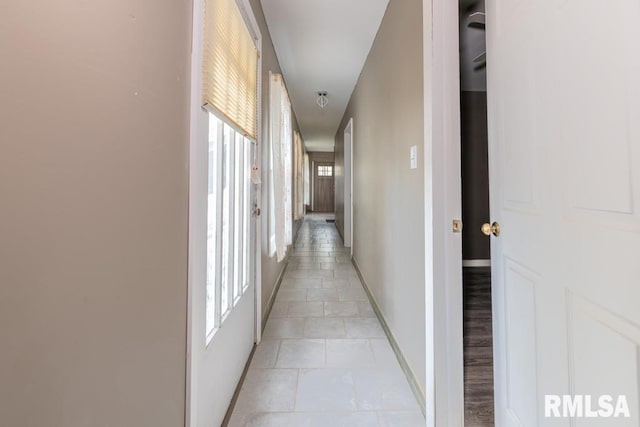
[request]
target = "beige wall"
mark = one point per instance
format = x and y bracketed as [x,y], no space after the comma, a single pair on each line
[271,269]
[94,129]
[387,109]
[321,156]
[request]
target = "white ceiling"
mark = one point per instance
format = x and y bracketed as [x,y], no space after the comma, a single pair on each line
[322,46]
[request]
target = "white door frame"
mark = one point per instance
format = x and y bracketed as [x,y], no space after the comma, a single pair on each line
[348,185]
[443,248]
[257,222]
[245,7]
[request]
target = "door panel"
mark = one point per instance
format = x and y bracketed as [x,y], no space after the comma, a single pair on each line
[521,364]
[564,155]
[324,188]
[599,139]
[518,158]
[612,345]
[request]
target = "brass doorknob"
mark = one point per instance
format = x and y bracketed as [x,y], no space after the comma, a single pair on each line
[488,229]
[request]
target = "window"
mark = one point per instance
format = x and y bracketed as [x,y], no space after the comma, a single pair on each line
[280,169]
[325,170]
[229,94]
[212,226]
[229,211]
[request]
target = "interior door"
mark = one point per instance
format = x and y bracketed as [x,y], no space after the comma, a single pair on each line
[564,142]
[323,193]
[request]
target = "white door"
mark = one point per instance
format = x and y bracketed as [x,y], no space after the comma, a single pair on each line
[222,235]
[564,132]
[348,185]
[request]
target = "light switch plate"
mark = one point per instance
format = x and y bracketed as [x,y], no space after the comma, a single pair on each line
[413,156]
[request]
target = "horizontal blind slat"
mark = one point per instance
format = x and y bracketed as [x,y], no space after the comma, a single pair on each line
[230,66]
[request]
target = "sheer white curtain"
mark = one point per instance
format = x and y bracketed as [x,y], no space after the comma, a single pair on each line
[296,171]
[280,176]
[299,184]
[306,178]
[287,159]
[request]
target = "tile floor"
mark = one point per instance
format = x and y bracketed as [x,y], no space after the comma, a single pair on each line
[324,360]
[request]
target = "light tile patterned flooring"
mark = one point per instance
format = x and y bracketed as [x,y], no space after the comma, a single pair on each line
[324,360]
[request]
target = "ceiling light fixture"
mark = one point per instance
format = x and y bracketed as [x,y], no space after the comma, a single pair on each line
[322,99]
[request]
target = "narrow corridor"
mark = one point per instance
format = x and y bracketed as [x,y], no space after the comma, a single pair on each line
[324,359]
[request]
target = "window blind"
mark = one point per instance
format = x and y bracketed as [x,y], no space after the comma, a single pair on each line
[230,66]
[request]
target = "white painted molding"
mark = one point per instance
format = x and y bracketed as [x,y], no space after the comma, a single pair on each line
[417,390]
[443,249]
[274,293]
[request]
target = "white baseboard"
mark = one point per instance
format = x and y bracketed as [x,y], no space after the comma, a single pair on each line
[274,293]
[411,377]
[476,263]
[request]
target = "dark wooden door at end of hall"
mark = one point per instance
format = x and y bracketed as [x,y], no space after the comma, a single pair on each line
[323,192]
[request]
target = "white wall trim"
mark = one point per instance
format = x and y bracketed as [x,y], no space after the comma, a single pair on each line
[443,249]
[274,293]
[348,186]
[430,400]
[248,14]
[417,390]
[195,207]
[476,263]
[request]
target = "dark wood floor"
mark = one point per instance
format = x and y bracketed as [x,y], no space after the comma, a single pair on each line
[478,350]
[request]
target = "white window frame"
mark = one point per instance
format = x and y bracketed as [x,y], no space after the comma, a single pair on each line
[325,171]
[234,293]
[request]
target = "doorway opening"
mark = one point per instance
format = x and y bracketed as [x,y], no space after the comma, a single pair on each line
[476,251]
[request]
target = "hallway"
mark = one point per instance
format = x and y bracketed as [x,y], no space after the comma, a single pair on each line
[324,359]
[157,160]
